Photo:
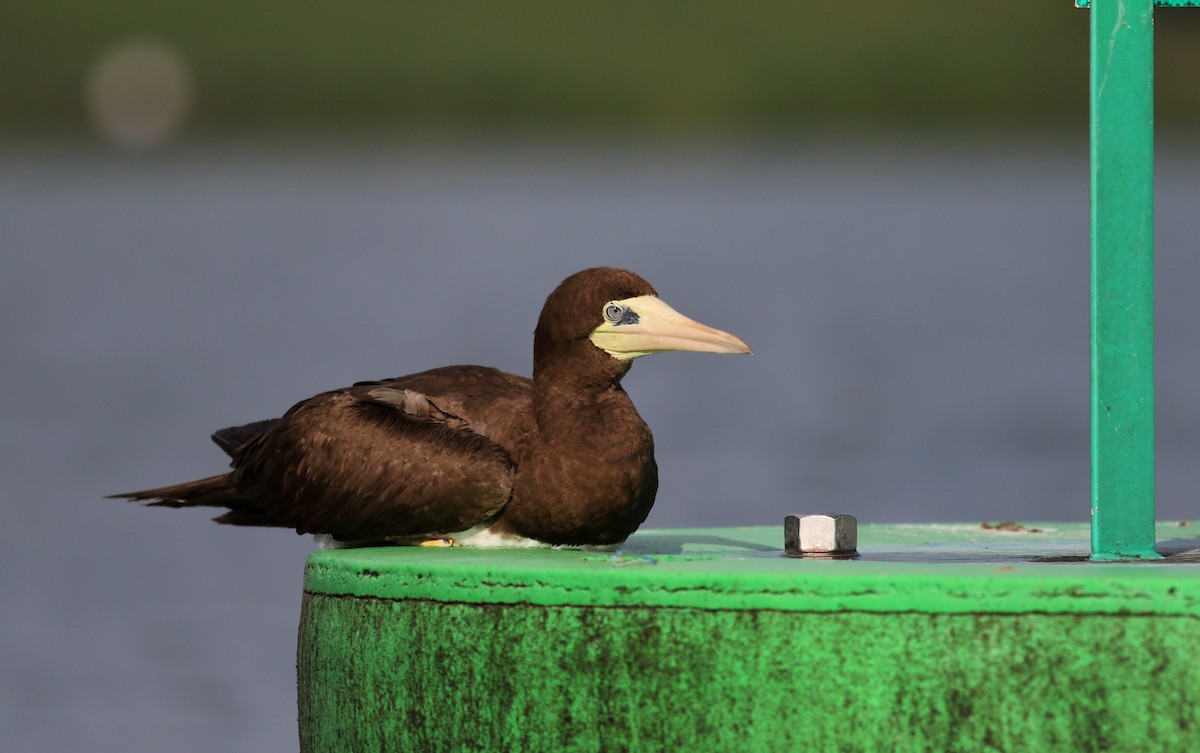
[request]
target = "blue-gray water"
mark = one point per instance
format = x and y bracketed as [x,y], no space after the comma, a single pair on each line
[918,312]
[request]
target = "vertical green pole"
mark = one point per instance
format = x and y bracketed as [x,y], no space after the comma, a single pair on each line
[1122,281]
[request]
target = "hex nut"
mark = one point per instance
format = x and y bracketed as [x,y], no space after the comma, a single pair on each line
[820,534]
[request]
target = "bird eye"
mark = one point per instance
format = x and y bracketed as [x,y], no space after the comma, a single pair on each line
[614,312]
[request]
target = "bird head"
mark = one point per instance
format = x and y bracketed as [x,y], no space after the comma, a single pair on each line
[616,313]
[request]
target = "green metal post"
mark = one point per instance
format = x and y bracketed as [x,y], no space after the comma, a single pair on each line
[1122,279]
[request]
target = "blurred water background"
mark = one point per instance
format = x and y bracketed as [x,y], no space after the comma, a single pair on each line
[210,212]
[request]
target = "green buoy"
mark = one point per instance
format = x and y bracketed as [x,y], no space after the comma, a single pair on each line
[937,638]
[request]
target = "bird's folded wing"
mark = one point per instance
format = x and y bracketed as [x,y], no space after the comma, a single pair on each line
[374,463]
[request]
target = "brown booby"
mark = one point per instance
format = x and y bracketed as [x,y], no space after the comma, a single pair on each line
[469,454]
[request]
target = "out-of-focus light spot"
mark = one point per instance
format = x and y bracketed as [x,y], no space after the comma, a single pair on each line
[138,94]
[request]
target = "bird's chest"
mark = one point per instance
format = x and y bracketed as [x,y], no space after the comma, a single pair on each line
[598,493]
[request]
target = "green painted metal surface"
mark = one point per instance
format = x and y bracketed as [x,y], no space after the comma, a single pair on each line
[945,569]
[940,638]
[1122,279]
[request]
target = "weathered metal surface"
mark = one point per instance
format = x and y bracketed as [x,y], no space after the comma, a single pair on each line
[946,637]
[429,676]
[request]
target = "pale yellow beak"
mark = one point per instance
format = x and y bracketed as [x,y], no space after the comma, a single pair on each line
[637,327]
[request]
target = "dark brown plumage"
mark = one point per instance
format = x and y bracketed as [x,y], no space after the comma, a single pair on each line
[562,458]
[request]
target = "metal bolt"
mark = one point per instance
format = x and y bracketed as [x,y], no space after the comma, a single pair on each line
[821,536]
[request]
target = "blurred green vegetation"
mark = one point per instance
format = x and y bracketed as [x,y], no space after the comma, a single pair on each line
[657,64]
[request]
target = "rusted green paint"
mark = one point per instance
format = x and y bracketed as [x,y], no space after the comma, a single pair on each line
[430,676]
[723,645]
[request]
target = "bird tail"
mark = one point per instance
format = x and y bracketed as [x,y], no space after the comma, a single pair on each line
[214,491]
